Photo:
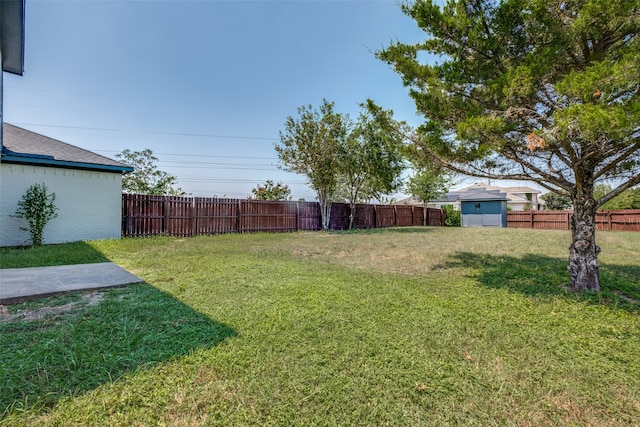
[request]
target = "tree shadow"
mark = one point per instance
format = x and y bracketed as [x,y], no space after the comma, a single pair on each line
[542,277]
[89,338]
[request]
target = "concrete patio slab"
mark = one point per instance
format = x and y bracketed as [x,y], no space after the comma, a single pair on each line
[19,284]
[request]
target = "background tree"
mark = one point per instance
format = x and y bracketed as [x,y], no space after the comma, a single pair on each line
[37,207]
[547,91]
[309,145]
[556,201]
[370,161]
[146,178]
[427,184]
[628,199]
[270,191]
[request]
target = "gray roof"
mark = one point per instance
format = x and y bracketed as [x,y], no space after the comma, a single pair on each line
[482,196]
[26,147]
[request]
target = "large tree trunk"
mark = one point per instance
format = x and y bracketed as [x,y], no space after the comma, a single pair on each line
[583,252]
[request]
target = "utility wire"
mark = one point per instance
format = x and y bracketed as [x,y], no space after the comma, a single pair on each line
[201,135]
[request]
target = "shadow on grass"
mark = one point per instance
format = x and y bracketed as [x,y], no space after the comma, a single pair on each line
[49,255]
[91,338]
[542,276]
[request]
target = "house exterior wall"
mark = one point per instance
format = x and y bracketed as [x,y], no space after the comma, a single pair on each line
[484,213]
[89,203]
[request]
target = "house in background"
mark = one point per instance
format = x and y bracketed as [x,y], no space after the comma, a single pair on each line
[518,198]
[88,188]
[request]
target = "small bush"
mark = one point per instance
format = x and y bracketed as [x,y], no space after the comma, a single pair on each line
[452,216]
[37,208]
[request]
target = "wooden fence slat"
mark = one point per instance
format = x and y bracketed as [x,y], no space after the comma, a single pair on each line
[620,220]
[144,215]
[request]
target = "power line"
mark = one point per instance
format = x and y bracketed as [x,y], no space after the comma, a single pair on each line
[198,155]
[155,100]
[201,135]
[172,162]
[224,167]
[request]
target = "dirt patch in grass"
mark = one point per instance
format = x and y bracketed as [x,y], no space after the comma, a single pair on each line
[87,299]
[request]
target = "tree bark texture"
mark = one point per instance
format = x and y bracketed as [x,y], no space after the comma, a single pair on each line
[352,214]
[325,214]
[583,252]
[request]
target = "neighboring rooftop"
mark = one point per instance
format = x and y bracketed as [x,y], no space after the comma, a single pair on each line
[482,196]
[27,147]
[480,191]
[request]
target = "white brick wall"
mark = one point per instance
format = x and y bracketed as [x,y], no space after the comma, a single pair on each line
[89,203]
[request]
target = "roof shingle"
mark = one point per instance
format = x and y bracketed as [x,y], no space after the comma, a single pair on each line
[21,143]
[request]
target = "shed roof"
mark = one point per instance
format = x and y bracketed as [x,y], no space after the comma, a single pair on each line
[483,196]
[26,147]
[12,35]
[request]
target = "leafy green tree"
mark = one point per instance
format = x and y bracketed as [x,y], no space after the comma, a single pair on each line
[270,191]
[37,207]
[539,90]
[636,198]
[624,200]
[310,146]
[370,161]
[427,184]
[556,201]
[146,178]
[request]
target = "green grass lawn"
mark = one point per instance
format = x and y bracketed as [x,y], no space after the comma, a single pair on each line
[417,326]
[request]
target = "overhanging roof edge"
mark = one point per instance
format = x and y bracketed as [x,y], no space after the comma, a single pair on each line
[63,164]
[12,35]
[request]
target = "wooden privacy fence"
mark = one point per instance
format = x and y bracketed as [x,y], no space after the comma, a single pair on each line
[622,220]
[144,215]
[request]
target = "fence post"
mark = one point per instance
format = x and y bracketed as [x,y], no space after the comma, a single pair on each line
[297,216]
[375,216]
[531,218]
[165,215]
[239,220]
[125,216]
[192,217]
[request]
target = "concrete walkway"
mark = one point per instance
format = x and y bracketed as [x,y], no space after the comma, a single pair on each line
[19,284]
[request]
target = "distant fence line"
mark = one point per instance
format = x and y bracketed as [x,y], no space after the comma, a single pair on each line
[619,220]
[144,215]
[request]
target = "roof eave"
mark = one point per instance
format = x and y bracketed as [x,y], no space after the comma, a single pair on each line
[484,200]
[63,164]
[12,35]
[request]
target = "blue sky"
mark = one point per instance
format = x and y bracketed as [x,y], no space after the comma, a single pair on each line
[206,85]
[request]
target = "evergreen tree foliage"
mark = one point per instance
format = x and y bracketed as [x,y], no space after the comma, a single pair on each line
[539,90]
